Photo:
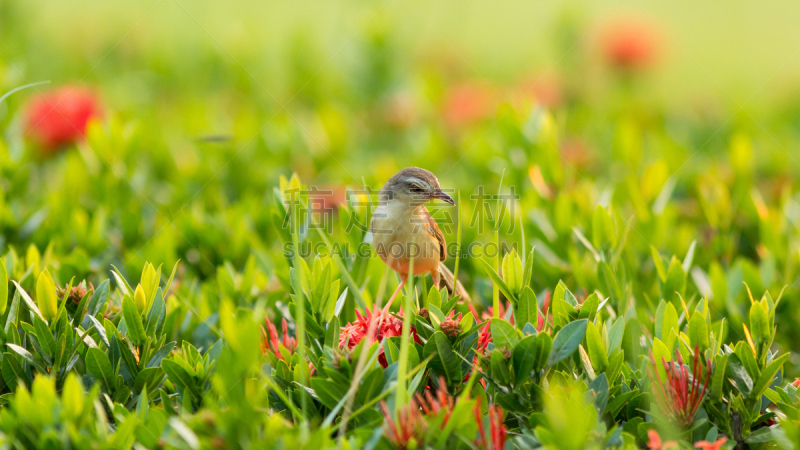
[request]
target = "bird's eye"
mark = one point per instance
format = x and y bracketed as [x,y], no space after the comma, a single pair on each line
[416,189]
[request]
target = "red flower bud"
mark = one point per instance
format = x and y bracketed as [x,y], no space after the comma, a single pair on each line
[59,117]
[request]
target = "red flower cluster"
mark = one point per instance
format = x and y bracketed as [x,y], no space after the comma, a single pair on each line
[378,325]
[59,118]
[270,341]
[680,396]
[497,431]
[630,45]
[412,420]
[76,293]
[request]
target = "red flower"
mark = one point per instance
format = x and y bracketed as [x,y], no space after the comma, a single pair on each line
[489,313]
[654,441]
[378,325]
[412,420]
[484,338]
[327,200]
[705,445]
[796,383]
[680,396]
[630,45]
[497,431]
[59,118]
[270,341]
[467,103]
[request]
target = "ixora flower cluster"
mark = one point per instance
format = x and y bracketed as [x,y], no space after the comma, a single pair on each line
[565,371]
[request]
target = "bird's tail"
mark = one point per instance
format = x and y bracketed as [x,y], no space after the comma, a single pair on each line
[454,286]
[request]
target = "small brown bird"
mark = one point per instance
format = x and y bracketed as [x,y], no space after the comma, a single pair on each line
[403,228]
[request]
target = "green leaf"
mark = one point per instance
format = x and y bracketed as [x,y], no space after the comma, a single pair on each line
[99,299]
[675,281]
[512,271]
[435,297]
[445,362]
[27,299]
[499,367]
[738,373]
[503,334]
[589,307]
[760,329]
[603,232]
[687,261]
[670,321]
[44,336]
[615,335]
[98,365]
[698,331]
[122,283]
[179,376]
[605,273]
[600,388]
[567,341]
[3,287]
[528,270]
[28,357]
[526,310]
[659,263]
[499,282]
[543,345]
[133,321]
[718,380]
[767,375]
[328,392]
[46,296]
[596,348]
[524,358]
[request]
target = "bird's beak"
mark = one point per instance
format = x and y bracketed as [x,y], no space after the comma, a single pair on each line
[442,196]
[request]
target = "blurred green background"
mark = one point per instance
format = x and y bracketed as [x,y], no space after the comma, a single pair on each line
[682,118]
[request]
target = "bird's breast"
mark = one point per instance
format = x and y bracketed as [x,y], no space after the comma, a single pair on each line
[400,234]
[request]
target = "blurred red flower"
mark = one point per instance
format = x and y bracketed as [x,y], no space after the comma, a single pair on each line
[59,117]
[545,89]
[271,342]
[655,443]
[468,102]
[408,429]
[630,44]
[496,439]
[705,445]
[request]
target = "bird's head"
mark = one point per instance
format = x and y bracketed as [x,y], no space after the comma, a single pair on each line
[413,186]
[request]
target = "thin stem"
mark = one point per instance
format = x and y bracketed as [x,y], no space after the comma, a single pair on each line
[300,320]
[401,398]
[458,241]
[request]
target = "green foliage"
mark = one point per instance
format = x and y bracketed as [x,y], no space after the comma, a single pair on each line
[654,228]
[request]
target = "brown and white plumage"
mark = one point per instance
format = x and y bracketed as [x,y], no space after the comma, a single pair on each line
[402,227]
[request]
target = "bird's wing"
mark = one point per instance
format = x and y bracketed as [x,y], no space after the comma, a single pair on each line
[433,230]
